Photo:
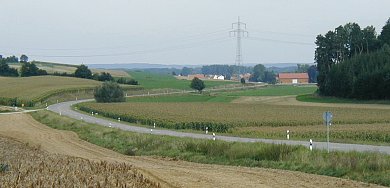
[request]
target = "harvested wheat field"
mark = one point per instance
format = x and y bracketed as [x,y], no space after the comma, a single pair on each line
[24,165]
[148,170]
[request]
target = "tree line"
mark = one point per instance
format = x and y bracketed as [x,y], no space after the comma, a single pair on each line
[353,62]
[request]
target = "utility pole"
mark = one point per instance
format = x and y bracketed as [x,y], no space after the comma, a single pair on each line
[238,32]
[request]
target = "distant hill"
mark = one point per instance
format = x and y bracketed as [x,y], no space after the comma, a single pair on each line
[137,66]
[143,66]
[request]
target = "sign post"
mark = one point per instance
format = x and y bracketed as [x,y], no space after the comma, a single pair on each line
[327,116]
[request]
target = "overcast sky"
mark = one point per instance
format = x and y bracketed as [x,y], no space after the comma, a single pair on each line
[175,31]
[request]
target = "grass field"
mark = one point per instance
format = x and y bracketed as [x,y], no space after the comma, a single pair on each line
[157,81]
[274,91]
[23,165]
[366,167]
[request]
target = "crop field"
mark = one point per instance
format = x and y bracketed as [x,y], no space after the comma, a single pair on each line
[33,87]
[223,117]
[366,167]
[30,90]
[157,81]
[24,165]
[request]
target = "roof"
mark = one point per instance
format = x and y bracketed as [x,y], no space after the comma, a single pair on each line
[294,75]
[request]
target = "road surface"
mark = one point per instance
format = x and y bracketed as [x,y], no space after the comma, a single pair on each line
[65,109]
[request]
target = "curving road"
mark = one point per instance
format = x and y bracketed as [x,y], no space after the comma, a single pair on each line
[65,109]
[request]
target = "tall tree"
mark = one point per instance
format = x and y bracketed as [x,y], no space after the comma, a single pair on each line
[342,44]
[313,73]
[258,73]
[302,68]
[384,37]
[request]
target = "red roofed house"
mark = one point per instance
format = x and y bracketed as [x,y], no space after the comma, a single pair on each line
[293,78]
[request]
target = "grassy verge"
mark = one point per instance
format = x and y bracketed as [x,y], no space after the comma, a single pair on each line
[321,99]
[366,167]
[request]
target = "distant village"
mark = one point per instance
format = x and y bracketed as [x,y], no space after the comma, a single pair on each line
[281,78]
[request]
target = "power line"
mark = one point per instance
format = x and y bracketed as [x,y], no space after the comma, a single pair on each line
[280,41]
[156,50]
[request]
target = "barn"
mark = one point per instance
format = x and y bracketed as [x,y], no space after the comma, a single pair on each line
[293,78]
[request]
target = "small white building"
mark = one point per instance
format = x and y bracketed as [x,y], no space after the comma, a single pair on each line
[221,77]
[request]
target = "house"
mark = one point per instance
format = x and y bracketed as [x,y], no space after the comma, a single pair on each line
[220,77]
[293,78]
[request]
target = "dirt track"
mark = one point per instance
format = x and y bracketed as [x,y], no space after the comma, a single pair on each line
[169,173]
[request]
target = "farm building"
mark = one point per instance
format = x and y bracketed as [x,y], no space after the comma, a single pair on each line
[219,77]
[192,76]
[293,78]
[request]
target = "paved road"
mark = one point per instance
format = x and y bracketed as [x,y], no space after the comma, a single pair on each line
[65,109]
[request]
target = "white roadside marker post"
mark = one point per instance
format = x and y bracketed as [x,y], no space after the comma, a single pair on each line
[207,130]
[311,145]
[213,136]
[154,125]
[151,131]
[119,119]
[288,134]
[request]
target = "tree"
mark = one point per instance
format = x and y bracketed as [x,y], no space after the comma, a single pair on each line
[5,70]
[302,68]
[109,92]
[105,76]
[30,69]
[242,80]
[197,84]
[11,59]
[258,73]
[23,58]
[186,71]
[384,37]
[82,71]
[342,44]
[270,77]
[312,72]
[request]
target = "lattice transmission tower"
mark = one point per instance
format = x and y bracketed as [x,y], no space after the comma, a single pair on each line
[239,33]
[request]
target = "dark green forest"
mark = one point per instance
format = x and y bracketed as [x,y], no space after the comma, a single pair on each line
[354,62]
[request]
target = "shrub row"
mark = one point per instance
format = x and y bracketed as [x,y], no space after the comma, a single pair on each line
[212,126]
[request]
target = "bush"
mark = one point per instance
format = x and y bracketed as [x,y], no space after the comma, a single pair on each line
[109,92]
[127,81]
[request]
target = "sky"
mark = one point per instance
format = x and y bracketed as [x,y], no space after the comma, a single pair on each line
[183,32]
